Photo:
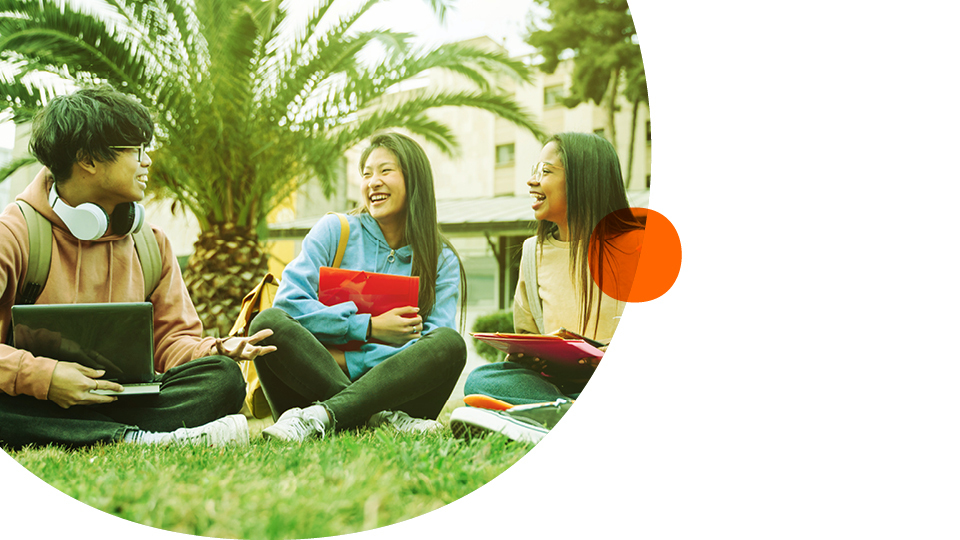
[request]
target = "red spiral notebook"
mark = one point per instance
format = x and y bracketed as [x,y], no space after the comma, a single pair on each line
[372,292]
[550,348]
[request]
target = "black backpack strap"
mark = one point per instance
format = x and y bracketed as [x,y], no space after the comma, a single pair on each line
[40,238]
[150,261]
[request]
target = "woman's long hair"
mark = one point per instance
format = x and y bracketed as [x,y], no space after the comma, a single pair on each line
[594,190]
[421,230]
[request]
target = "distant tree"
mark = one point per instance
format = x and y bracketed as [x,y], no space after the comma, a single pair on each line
[601,38]
[250,103]
[635,93]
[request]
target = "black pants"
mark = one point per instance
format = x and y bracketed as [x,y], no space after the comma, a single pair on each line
[191,395]
[418,380]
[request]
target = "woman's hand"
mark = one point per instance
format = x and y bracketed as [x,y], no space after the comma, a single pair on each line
[244,348]
[529,362]
[71,385]
[397,326]
[592,362]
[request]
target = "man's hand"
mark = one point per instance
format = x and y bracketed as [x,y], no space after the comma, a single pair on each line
[93,359]
[71,385]
[397,326]
[244,348]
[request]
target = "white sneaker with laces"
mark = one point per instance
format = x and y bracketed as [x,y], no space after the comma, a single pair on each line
[230,429]
[296,425]
[403,422]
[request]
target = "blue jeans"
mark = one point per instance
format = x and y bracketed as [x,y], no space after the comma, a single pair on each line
[191,395]
[417,380]
[518,385]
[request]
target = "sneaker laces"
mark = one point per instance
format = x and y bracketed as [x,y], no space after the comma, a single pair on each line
[189,436]
[204,434]
[401,421]
[306,426]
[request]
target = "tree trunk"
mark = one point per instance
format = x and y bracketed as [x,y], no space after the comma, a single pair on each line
[228,261]
[633,141]
[614,84]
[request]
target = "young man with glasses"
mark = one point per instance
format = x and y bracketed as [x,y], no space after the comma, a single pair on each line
[94,148]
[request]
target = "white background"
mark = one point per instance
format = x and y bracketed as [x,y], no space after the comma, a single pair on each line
[800,380]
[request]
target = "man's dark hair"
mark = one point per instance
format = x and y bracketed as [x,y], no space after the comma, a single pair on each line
[85,124]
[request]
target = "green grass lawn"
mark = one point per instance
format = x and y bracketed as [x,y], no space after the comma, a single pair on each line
[349,482]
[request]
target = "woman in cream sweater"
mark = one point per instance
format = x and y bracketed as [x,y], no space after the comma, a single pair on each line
[575,184]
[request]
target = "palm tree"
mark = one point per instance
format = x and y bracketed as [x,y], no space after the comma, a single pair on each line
[249,103]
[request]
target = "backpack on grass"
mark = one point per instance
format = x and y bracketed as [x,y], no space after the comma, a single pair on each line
[257,300]
[40,237]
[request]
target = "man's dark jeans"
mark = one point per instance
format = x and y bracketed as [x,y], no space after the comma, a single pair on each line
[191,395]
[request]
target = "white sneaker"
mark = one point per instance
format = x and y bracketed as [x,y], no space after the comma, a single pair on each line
[296,425]
[471,422]
[403,422]
[230,429]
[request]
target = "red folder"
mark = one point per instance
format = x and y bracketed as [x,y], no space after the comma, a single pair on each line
[372,292]
[553,349]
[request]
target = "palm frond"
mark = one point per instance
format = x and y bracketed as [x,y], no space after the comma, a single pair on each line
[7,169]
[61,40]
[440,7]
[245,114]
[316,57]
[396,112]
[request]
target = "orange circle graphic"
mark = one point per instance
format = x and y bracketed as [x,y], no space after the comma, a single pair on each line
[635,255]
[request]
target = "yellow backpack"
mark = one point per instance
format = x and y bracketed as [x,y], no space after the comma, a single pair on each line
[257,300]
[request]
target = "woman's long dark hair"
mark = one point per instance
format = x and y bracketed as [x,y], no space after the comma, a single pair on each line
[421,230]
[594,190]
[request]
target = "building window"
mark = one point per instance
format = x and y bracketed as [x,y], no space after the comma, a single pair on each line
[553,95]
[648,181]
[649,136]
[599,132]
[504,154]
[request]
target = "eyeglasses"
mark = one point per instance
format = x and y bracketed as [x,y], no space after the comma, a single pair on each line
[537,170]
[141,150]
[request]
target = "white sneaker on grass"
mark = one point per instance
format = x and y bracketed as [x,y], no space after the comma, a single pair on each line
[296,425]
[228,430]
[521,423]
[403,422]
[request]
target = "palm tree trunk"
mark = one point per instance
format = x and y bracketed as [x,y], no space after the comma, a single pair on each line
[227,262]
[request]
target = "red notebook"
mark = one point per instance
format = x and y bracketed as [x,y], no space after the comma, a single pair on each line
[372,292]
[553,349]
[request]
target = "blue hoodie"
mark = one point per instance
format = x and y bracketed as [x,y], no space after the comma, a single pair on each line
[367,250]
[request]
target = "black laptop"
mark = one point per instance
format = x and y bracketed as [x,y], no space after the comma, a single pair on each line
[117,338]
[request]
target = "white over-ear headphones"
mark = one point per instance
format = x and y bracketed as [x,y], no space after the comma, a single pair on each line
[89,222]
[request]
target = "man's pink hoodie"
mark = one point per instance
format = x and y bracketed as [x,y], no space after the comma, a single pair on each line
[104,270]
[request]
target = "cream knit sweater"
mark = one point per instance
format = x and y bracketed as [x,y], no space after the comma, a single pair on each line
[560,295]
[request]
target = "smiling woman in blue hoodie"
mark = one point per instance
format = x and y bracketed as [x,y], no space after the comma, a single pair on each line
[410,357]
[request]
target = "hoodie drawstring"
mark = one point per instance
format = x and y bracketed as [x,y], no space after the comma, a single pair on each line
[76,277]
[110,274]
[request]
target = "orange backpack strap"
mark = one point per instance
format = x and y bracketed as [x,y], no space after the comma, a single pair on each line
[344,235]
